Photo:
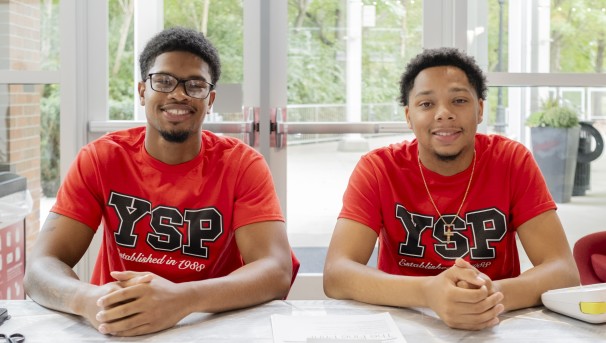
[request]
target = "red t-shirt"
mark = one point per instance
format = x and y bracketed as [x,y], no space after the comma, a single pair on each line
[177,221]
[387,194]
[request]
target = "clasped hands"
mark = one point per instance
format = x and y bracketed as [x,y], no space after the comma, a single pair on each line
[465,298]
[139,303]
[136,303]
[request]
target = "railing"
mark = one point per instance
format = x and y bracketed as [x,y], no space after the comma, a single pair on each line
[387,112]
[309,123]
[305,124]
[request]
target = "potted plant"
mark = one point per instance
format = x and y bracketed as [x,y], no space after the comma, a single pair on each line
[555,133]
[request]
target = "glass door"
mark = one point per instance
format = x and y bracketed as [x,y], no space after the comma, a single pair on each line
[345,59]
[312,84]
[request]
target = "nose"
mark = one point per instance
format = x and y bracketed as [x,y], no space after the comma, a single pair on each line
[179,92]
[443,112]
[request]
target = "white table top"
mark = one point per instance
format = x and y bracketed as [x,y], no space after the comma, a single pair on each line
[537,324]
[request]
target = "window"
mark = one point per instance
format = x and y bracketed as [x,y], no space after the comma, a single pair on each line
[29,97]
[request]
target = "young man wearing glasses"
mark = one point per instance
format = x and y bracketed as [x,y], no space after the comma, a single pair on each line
[190,220]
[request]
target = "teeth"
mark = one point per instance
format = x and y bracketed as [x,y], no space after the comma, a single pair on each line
[177,112]
[444,133]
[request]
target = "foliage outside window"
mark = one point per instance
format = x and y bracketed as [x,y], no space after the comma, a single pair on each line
[316,61]
[221,21]
[317,50]
[553,114]
[50,100]
[121,59]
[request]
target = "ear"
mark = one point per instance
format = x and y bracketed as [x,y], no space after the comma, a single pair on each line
[407,115]
[480,110]
[211,99]
[141,90]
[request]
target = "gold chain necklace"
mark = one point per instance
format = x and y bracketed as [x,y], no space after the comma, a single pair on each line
[449,227]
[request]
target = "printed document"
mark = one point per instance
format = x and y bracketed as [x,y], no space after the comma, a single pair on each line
[335,328]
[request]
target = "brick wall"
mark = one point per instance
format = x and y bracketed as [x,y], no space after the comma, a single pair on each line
[22,121]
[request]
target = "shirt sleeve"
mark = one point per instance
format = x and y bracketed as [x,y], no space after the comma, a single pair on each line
[78,197]
[256,198]
[361,200]
[530,195]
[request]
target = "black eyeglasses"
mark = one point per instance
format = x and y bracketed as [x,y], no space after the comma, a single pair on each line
[166,83]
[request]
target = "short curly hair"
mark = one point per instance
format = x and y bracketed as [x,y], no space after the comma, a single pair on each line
[442,57]
[180,39]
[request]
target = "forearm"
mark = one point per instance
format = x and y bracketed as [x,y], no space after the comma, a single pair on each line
[526,289]
[252,284]
[53,284]
[352,280]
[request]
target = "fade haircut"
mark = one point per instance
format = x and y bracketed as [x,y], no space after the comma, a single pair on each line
[180,39]
[442,57]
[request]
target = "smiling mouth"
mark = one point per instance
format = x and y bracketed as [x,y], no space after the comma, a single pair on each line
[446,134]
[176,112]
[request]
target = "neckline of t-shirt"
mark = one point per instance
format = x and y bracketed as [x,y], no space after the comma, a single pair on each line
[180,168]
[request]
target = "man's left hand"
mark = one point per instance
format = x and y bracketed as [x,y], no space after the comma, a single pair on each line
[147,303]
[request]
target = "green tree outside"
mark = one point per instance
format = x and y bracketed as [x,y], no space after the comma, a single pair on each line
[316,52]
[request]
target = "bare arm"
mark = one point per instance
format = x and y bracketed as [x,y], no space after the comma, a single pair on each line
[160,304]
[265,276]
[546,245]
[49,277]
[346,276]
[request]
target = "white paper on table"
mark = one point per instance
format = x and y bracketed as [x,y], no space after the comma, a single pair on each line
[335,328]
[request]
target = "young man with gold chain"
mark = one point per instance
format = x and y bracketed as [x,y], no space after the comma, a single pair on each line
[446,208]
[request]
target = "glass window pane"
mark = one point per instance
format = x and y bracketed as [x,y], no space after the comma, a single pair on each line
[28,150]
[567,36]
[317,169]
[49,33]
[222,23]
[318,174]
[391,35]
[121,59]
[29,35]
[517,103]
[50,107]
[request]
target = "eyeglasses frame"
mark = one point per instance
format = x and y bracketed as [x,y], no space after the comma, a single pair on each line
[179,81]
